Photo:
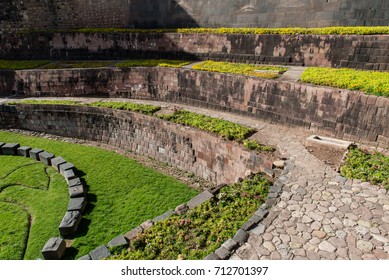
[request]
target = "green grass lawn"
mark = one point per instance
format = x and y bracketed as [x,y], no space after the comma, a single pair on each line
[261,71]
[121,193]
[370,82]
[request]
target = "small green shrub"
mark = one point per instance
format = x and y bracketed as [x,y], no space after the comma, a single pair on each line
[254,145]
[368,167]
[152,63]
[129,106]
[371,82]
[203,229]
[229,130]
[264,71]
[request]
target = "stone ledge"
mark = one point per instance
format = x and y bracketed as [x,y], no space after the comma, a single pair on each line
[10,149]
[54,249]
[24,151]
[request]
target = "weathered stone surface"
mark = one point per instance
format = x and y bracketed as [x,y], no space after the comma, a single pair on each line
[34,153]
[10,149]
[147,224]
[326,246]
[241,236]
[230,245]
[223,253]
[117,242]
[132,234]
[212,257]
[76,191]
[24,151]
[74,182]
[279,164]
[248,225]
[164,216]
[54,249]
[65,166]
[56,162]
[46,157]
[69,175]
[364,246]
[70,222]
[258,229]
[85,258]
[77,204]
[100,253]
[181,209]
[199,199]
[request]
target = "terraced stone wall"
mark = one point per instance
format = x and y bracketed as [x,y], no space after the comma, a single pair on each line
[363,52]
[205,155]
[333,112]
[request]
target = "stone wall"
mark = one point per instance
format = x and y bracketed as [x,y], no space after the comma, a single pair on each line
[205,155]
[330,111]
[363,52]
[66,14]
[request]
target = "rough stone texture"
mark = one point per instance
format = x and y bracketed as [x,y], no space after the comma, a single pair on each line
[117,242]
[85,258]
[77,204]
[223,253]
[56,162]
[132,234]
[54,249]
[10,149]
[199,199]
[241,236]
[212,257]
[76,191]
[147,224]
[164,216]
[69,175]
[74,182]
[34,153]
[46,157]
[100,253]
[70,222]
[24,151]
[65,166]
[230,245]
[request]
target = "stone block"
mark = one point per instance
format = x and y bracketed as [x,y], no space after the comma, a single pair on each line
[76,191]
[10,149]
[1,145]
[85,258]
[147,224]
[70,222]
[132,234]
[164,216]
[65,166]
[46,157]
[100,253]
[77,204]
[74,182]
[117,242]
[24,151]
[69,175]
[223,253]
[241,236]
[199,199]
[54,249]
[249,225]
[181,209]
[56,162]
[212,257]
[230,245]
[34,153]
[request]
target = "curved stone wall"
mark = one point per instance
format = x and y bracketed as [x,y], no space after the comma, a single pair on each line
[339,113]
[363,52]
[205,155]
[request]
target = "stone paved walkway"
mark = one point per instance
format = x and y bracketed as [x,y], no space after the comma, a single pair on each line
[320,215]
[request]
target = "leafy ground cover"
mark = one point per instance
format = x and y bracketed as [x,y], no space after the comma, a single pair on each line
[203,229]
[368,167]
[334,30]
[129,106]
[29,191]
[371,82]
[121,194]
[153,63]
[262,71]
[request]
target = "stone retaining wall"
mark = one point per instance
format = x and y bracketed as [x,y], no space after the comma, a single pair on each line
[338,113]
[363,52]
[206,155]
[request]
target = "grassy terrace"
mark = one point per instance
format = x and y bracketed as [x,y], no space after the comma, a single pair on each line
[203,229]
[368,167]
[261,71]
[121,194]
[335,30]
[370,82]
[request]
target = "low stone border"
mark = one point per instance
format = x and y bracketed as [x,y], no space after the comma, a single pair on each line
[229,246]
[55,247]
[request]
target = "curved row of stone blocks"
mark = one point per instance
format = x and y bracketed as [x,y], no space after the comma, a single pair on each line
[227,248]
[55,247]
